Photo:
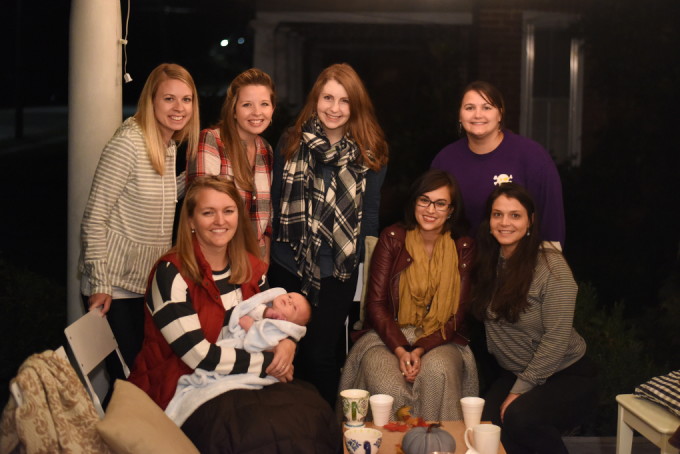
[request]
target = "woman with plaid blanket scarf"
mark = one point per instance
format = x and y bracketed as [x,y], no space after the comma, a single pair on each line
[328,171]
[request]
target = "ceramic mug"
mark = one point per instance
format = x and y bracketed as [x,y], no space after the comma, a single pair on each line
[486,439]
[354,406]
[361,440]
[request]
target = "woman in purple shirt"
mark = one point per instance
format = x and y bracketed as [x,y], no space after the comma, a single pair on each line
[490,155]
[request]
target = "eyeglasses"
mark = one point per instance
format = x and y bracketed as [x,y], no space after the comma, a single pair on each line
[439,205]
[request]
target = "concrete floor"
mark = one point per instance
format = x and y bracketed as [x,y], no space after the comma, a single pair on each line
[606,445]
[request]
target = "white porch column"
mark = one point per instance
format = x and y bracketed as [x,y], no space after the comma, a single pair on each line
[95,111]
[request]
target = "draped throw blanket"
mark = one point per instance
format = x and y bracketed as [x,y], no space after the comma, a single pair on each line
[56,416]
[312,213]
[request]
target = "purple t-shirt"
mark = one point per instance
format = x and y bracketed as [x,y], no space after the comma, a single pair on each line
[517,159]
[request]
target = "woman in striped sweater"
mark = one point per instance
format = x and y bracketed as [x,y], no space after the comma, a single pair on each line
[193,290]
[525,294]
[127,223]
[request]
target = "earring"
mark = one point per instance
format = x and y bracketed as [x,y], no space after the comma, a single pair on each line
[528,233]
[193,231]
[460,128]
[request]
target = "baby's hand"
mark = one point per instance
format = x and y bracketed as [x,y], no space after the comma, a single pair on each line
[246,322]
[270,312]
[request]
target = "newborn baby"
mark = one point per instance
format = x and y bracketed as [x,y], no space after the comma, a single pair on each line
[292,307]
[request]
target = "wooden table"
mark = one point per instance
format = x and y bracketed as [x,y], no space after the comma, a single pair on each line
[392,439]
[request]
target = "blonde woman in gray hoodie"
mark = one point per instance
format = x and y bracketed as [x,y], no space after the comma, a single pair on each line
[127,224]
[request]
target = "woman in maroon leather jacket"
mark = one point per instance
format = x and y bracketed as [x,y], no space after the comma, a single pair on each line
[417,298]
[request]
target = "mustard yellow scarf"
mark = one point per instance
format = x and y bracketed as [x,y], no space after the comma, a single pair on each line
[429,290]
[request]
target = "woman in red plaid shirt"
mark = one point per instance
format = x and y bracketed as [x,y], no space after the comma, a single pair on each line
[234,148]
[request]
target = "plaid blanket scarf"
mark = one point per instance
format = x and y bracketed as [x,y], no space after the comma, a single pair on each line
[312,213]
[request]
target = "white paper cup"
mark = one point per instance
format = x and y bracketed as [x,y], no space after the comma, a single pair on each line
[381,408]
[486,438]
[472,410]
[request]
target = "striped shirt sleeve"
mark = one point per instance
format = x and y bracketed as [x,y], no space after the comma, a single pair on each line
[542,341]
[115,166]
[174,315]
[558,301]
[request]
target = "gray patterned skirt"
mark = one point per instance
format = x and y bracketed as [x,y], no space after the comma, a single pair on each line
[448,372]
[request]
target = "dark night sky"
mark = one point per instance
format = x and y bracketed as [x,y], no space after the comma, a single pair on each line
[159,31]
[42,54]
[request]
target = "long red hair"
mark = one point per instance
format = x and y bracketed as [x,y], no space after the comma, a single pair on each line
[362,125]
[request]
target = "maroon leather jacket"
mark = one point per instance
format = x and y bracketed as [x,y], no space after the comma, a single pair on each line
[389,259]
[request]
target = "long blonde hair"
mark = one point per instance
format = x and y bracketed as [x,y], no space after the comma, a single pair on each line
[241,244]
[362,125]
[234,150]
[155,147]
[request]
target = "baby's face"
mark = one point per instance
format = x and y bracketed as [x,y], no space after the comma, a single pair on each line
[294,307]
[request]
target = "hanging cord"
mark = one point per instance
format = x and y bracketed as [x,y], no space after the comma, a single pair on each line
[126,76]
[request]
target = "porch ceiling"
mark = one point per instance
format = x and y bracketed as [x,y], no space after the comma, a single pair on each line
[365,5]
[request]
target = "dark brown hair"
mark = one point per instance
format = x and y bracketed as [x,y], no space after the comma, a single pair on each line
[429,181]
[504,289]
[490,93]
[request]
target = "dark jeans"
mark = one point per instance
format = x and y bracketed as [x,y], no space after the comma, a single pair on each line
[488,369]
[315,359]
[534,422]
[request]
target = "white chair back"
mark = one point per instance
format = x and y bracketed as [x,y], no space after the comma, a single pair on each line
[91,341]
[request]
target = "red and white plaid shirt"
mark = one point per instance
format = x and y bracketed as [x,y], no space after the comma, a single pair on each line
[211,160]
